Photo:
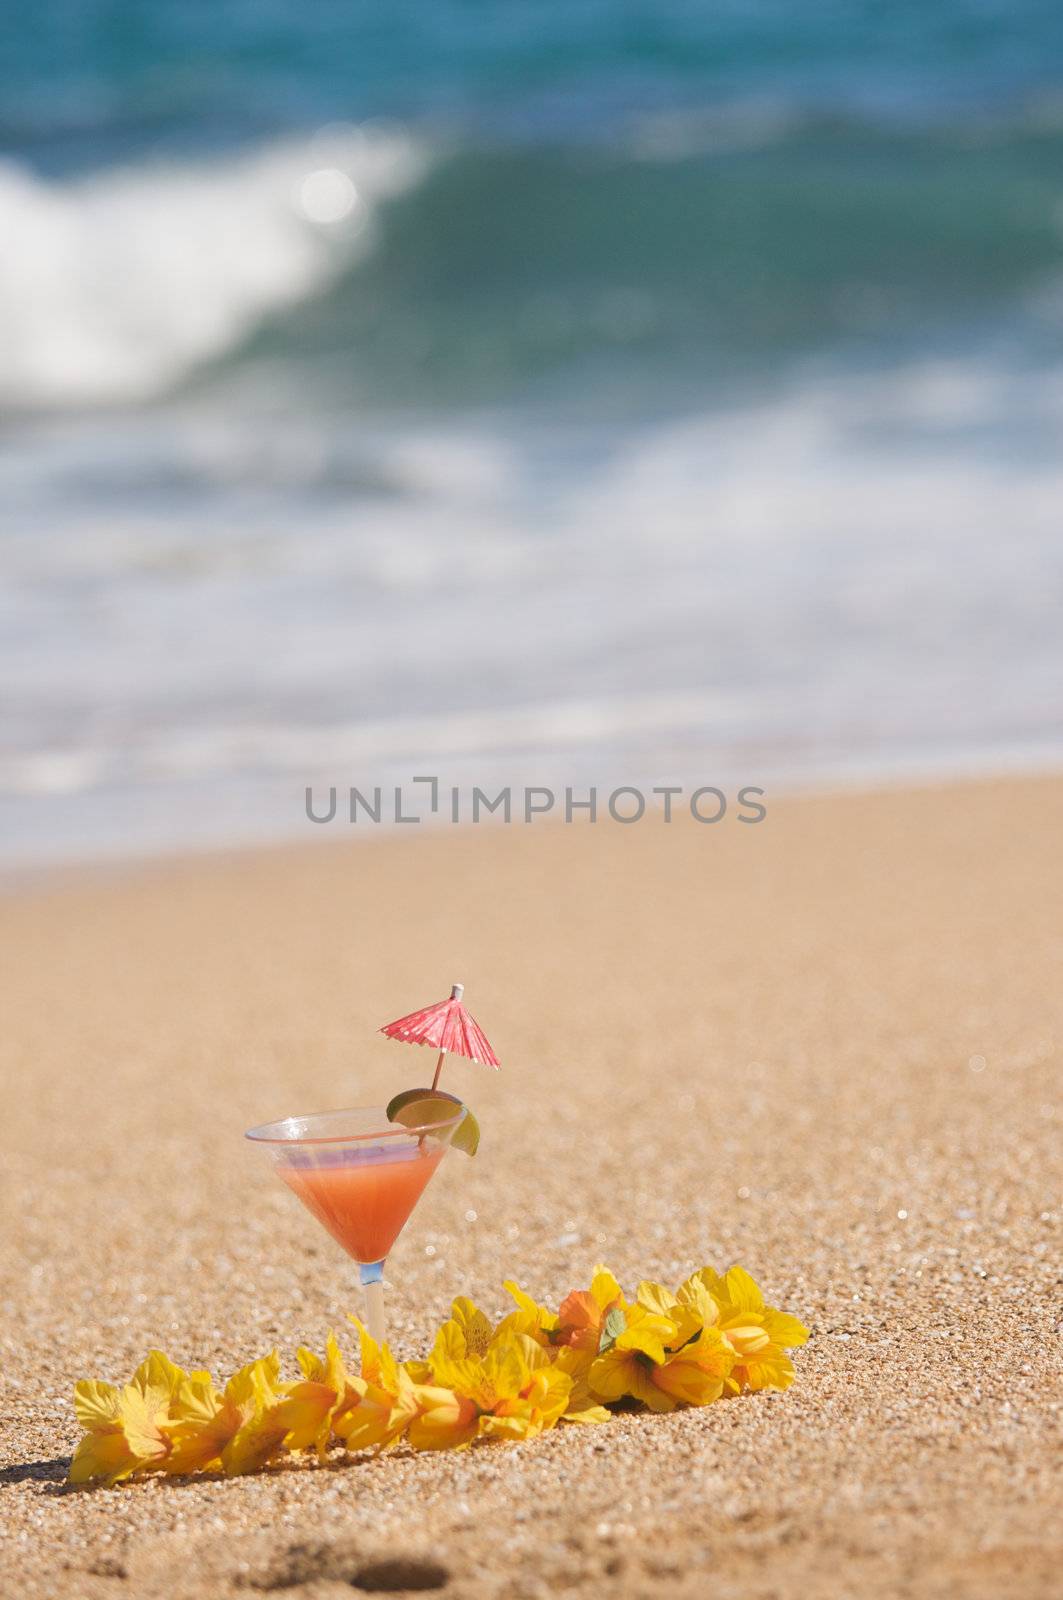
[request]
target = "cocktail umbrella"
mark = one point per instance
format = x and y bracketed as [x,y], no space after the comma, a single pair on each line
[446,1026]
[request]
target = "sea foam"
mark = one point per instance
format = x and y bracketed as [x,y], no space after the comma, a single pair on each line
[116,286]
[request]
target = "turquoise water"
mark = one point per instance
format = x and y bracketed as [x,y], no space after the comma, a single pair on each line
[603,390]
[661,194]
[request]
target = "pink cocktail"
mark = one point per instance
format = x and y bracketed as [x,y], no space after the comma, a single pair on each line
[361,1176]
[365,1199]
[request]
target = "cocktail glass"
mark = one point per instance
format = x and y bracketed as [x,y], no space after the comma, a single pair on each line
[361,1176]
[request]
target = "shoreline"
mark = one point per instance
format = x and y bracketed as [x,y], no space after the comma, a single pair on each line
[46,873]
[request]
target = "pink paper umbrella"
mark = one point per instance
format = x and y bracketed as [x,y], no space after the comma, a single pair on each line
[446,1026]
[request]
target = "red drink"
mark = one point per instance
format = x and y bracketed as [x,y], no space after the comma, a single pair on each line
[363,1195]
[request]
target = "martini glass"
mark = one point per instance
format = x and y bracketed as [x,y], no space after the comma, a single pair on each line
[361,1176]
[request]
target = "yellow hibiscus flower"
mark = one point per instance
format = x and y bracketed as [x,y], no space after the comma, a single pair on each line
[697,1372]
[627,1362]
[310,1408]
[381,1399]
[581,1406]
[572,1336]
[514,1391]
[237,1429]
[126,1428]
[530,1318]
[757,1333]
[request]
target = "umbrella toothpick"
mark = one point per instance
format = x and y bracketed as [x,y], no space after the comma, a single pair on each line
[448,1028]
[456,992]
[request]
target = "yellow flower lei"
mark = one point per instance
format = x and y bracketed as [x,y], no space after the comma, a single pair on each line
[536,1368]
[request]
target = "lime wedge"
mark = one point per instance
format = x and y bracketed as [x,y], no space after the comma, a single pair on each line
[419,1108]
[406,1097]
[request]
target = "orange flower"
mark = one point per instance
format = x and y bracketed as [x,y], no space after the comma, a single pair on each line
[581,1314]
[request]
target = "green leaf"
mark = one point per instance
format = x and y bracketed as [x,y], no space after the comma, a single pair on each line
[613,1326]
[615,1323]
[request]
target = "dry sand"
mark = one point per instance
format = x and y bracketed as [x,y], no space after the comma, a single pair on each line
[826,1047]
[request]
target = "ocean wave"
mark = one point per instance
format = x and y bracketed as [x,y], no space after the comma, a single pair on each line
[116,286]
[711,244]
[694,259]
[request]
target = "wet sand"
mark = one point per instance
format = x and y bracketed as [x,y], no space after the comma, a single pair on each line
[826,1047]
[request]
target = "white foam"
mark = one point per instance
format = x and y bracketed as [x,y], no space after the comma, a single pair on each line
[857,574]
[114,287]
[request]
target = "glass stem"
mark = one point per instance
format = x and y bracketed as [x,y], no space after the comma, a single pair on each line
[372,1276]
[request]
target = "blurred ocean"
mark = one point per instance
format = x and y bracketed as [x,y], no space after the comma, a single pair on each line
[581,391]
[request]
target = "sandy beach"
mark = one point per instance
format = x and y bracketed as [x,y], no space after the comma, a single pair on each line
[825,1047]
